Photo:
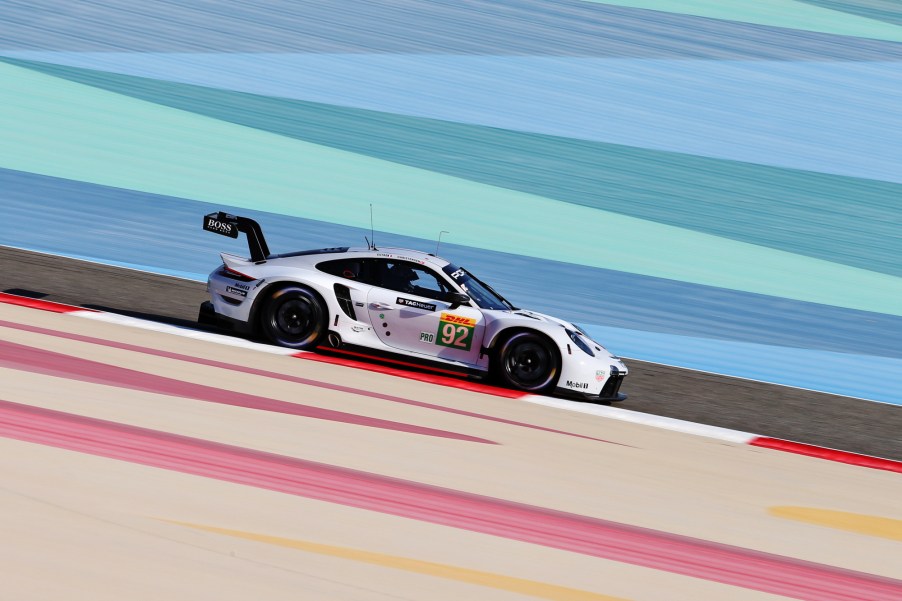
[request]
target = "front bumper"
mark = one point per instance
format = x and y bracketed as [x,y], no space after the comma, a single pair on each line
[609,393]
[591,398]
[208,317]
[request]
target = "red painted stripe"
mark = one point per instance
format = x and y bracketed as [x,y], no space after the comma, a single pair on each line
[27,358]
[283,377]
[34,303]
[579,534]
[761,441]
[410,364]
[829,454]
[453,382]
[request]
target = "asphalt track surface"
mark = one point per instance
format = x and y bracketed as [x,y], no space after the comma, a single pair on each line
[842,423]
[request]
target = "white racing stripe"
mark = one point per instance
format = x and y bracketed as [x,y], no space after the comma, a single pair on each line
[635,417]
[602,411]
[656,421]
[666,423]
[143,324]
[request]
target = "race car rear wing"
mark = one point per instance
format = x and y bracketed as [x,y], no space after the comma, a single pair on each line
[225,224]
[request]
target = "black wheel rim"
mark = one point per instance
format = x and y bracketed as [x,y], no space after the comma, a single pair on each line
[295,318]
[529,364]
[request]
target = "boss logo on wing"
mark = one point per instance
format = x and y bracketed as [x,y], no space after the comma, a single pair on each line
[221,227]
[577,385]
[236,291]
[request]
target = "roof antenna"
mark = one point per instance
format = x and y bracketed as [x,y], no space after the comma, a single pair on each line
[439,240]
[372,244]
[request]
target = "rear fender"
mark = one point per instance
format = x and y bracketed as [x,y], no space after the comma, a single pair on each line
[274,284]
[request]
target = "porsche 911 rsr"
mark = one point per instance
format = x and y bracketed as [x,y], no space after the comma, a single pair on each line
[400,304]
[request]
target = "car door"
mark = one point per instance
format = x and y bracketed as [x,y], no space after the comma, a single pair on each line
[408,312]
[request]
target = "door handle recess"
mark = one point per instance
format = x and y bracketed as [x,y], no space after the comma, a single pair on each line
[381,306]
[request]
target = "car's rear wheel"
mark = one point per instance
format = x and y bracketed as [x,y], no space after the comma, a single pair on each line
[528,362]
[294,316]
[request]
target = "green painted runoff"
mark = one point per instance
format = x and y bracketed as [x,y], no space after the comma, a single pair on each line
[839,219]
[889,11]
[805,16]
[101,137]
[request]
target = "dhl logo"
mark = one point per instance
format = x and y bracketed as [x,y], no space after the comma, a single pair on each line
[464,321]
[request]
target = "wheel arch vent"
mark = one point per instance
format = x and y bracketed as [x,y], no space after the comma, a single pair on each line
[343,296]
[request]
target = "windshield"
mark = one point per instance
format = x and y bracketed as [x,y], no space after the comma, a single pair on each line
[481,293]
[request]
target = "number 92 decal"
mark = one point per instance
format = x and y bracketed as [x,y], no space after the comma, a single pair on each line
[455,331]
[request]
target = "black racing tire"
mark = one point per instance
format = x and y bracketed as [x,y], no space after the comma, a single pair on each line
[527,361]
[294,316]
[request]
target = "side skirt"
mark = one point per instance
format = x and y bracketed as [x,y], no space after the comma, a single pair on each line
[398,360]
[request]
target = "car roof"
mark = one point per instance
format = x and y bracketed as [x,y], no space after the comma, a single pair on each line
[400,254]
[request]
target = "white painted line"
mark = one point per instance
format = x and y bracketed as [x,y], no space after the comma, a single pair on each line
[635,417]
[655,421]
[625,415]
[143,324]
[757,381]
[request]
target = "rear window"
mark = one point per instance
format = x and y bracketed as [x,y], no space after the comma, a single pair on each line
[347,268]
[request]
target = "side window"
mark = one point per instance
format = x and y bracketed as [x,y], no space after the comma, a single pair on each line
[350,269]
[411,278]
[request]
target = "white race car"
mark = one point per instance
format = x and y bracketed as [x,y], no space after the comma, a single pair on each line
[397,304]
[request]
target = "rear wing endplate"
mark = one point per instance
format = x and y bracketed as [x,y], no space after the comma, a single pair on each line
[225,224]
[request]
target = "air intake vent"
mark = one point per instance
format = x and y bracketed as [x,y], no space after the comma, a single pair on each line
[343,295]
[612,386]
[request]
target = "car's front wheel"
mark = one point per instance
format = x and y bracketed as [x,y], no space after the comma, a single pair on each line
[294,316]
[528,362]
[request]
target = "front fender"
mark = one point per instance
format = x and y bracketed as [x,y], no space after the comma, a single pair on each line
[581,374]
[499,328]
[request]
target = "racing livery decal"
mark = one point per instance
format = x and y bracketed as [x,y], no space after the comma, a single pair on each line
[409,302]
[401,257]
[225,228]
[455,331]
[433,311]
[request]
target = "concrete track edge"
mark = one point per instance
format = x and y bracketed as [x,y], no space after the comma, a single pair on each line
[656,421]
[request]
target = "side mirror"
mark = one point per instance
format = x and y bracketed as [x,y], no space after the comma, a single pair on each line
[457,299]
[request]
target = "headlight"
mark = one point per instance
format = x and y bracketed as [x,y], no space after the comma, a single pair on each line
[579,341]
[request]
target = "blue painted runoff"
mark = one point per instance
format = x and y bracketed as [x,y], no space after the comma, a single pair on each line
[476,27]
[843,220]
[650,319]
[755,112]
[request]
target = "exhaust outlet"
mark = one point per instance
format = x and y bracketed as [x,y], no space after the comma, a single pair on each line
[333,339]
